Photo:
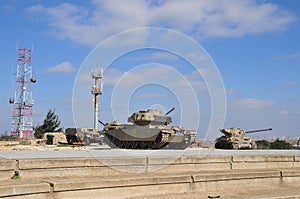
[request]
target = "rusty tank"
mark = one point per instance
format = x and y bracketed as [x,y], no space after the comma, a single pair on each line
[235,138]
[148,130]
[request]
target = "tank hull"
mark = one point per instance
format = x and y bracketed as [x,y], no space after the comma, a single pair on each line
[145,137]
[226,142]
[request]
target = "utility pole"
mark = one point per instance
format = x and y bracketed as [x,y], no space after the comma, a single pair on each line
[97,75]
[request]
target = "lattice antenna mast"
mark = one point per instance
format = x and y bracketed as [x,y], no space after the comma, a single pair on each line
[22,110]
[97,74]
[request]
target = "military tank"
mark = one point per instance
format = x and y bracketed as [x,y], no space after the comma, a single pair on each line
[235,138]
[147,130]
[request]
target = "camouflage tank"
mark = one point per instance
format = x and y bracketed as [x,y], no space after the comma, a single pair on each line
[148,130]
[235,138]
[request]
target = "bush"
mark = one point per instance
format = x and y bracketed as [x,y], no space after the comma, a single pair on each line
[263,144]
[8,138]
[280,144]
[277,144]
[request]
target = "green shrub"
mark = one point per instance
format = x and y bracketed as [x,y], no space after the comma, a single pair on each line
[263,144]
[280,144]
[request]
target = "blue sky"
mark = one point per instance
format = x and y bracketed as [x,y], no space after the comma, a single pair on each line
[254,45]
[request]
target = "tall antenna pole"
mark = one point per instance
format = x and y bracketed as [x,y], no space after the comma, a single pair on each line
[22,111]
[97,74]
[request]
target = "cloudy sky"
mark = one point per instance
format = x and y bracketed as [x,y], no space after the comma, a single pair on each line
[251,53]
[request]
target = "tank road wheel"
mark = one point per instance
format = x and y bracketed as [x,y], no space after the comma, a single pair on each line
[114,142]
[135,145]
[142,145]
[152,145]
[129,145]
[217,145]
[148,145]
[122,145]
[117,143]
[235,146]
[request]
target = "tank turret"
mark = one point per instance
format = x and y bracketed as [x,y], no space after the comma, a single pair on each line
[235,138]
[154,117]
[240,132]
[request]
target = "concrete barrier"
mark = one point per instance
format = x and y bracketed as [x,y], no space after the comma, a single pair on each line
[58,163]
[81,167]
[146,176]
[20,188]
[7,168]
[144,185]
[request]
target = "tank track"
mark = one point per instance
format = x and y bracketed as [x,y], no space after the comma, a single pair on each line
[161,141]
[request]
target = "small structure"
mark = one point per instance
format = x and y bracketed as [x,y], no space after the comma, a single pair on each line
[57,137]
[85,136]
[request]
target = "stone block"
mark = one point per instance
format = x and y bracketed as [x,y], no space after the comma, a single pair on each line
[183,168]
[261,165]
[67,172]
[92,183]
[25,188]
[58,163]
[228,176]
[188,160]
[127,161]
[262,158]
[290,173]
[8,165]
[297,158]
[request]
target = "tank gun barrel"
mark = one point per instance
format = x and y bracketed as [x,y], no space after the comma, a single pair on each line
[101,122]
[171,110]
[259,130]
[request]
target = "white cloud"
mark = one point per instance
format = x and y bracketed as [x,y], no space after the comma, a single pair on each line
[251,104]
[64,67]
[290,84]
[196,56]
[230,91]
[290,56]
[165,75]
[111,76]
[283,112]
[250,113]
[68,100]
[151,95]
[157,56]
[202,19]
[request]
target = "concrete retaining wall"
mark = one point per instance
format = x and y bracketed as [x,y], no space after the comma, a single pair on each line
[142,176]
[142,185]
[80,167]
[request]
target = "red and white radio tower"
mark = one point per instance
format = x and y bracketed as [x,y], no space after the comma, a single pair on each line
[23,102]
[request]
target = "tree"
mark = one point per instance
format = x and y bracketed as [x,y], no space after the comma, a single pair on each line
[280,144]
[50,124]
